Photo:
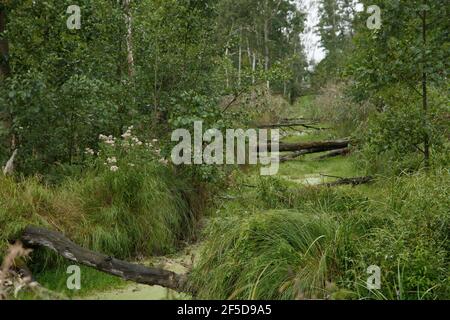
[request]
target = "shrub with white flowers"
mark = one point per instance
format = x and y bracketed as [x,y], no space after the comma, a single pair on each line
[126,152]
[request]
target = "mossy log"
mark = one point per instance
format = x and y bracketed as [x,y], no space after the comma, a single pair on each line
[41,237]
[317,146]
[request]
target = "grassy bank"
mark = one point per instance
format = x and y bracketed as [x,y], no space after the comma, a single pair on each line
[129,213]
[321,245]
[280,238]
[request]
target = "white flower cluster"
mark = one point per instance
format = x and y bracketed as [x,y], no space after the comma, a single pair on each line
[112,162]
[164,161]
[89,151]
[108,139]
[158,152]
[129,140]
[128,134]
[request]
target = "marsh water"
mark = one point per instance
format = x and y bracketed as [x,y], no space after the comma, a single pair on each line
[134,291]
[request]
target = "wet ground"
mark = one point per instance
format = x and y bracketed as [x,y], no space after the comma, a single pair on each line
[133,291]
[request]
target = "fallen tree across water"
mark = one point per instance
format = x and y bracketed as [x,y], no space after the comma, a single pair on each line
[300,153]
[307,125]
[331,154]
[318,146]
[335,153]
[36,236]
[349,181]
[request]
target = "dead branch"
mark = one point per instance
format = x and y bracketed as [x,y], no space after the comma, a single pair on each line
[36,236]
[298,154]
[349,181]
[335,153]
[307,125]
[319,146]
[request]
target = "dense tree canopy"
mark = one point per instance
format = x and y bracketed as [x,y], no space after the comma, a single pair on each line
[68,86]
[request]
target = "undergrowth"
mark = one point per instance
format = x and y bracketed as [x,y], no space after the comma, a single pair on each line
[128,213]
[316,242]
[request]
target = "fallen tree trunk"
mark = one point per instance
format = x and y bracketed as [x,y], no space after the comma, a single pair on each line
[319,146]
[300,153]
[295,119]
[290,125]
[350,181]
[36,236]
[335,153]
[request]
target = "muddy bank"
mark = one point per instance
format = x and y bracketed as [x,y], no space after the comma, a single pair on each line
[132,291]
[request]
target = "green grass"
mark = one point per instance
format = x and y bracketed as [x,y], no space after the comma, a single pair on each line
[127,213]
[300,107]
[301,135]
[275,238]
[339,166]
[91,281]
[309,165]
[55,280]
[271,255]
[285,241]
[270,237]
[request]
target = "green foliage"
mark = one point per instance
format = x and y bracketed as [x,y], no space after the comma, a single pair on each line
[277,195]
[397,54]
[392,142]
[92,281]
[335,28]
[272,255]
[334,106]
[323,248]
[261,42]
[400,73]
[52,125]
[175,51]
[228,63]
[133,211]
[406,235]
[190,107]
[68,86]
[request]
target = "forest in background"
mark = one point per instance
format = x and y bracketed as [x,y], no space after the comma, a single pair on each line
[87,116]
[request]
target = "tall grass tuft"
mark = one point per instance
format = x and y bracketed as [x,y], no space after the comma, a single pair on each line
[323,245]
[271,255]
[133,211]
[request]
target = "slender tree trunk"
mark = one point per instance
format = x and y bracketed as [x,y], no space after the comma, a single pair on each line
[4,48]
[266,48]
[227,77]
[5,72]
[258,45]
[129,37]
[155,84]
[240,58]
[128,19]
[425,90]
[254,68]
[249,52]
[267,18]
